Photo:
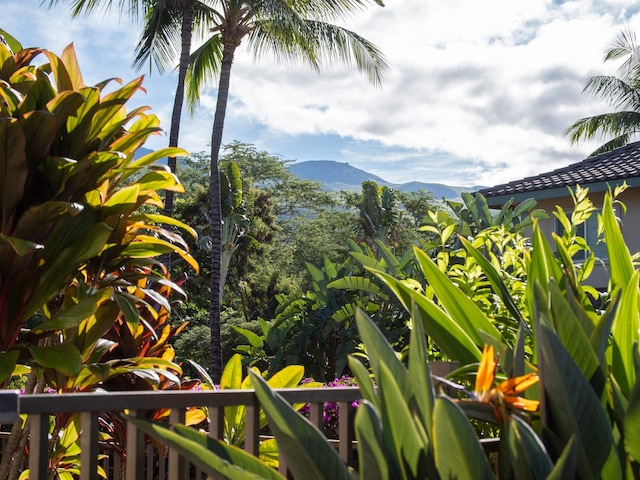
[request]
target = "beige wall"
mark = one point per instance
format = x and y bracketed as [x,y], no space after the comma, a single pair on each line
[630,225]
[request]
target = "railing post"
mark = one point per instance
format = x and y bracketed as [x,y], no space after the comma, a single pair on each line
[176,461]
[252,429]
[345,432]
[38,445]
[89,446]
[135,449]
[216,422]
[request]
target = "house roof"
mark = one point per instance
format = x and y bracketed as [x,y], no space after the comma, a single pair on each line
[610,168]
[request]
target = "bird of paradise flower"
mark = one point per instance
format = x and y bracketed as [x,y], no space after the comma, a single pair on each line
[498,398]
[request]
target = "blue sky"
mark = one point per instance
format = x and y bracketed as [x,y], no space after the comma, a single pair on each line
[478,93]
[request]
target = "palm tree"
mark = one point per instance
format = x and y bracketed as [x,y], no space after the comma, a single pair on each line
[167,34]
[292,30]
[623,94]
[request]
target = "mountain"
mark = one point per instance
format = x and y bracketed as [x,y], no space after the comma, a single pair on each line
[337,176]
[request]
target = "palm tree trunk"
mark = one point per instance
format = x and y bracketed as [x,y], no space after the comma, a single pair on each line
[188,8]
[216,212]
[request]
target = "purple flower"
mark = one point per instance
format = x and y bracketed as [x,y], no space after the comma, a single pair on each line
[331,411]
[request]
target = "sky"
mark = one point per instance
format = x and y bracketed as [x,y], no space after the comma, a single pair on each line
[477,92]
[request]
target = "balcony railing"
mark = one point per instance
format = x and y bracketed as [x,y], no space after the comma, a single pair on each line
[39,408]
[141,462]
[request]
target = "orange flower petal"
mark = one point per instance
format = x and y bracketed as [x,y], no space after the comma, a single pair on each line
[486,370]
[516,385]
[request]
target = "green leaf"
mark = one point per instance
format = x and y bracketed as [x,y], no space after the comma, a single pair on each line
[420,373]
[632,417]
[620,263]
[457,451]
[626,334]
[380,352]
[254,340]
[573,409]
[73,316]
[496,282]
[306,450]
[449,335]
[13,170]
[401,436]
[457,304]
[8,362]
[289,377]
[522,453]
[355,283]
[371,454]
[63,357]
[215,458]
[365,382]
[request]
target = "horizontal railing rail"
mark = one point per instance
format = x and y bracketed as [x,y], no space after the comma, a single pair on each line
[40,407]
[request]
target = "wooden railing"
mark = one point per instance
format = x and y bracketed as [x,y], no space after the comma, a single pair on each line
[141,462]
[39,408]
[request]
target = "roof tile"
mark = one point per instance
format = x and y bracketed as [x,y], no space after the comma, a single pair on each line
[623,162]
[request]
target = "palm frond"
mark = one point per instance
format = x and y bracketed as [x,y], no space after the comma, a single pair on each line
[204,67]
[319,43]
[161,36]
[131,9]
[625,45]
[617,142]
[619,93]
[607,125]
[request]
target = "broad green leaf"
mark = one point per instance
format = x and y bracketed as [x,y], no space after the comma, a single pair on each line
[19,246]
[232,374]
[574,339]
[573,409]
[457,304]
[14,44]
[154,156]
[420,373]
[355,283]
[620,264]
[289,377]
[365,382]
[215,458]
[158,180]
[269,453]
[13,170]
[565,466]
[450,336]
[8,364]
[63,357]
[73,316]
[458,453]
[372,459]
[626,334]
[522,453]
[496,282]
[400,432]
[632,417]
[254,340]
[380,352]
[305,448]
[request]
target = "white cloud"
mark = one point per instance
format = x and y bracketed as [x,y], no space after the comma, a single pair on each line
[477,92]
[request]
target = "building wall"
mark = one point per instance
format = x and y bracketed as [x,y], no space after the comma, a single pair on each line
[630,226]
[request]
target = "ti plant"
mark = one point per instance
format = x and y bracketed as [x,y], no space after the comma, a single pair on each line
[78,239]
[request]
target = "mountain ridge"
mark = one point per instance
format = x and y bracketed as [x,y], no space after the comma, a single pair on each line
[350,178]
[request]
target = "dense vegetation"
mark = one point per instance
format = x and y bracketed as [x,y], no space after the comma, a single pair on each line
[375,285]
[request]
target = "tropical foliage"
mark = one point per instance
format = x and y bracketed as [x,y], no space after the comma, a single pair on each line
[563,394]
[83,300]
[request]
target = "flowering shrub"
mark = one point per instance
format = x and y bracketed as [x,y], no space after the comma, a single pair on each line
[331,411]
